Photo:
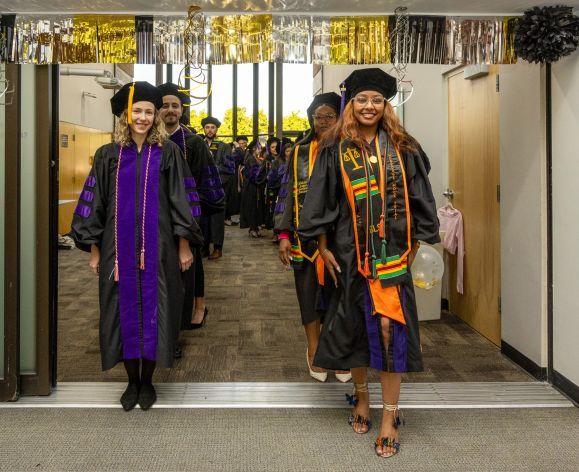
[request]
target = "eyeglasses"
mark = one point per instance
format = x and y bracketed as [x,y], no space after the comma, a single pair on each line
[363,99]
[326,117]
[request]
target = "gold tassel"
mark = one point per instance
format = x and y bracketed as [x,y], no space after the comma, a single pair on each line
[116,270]
[130,104]
[142,266]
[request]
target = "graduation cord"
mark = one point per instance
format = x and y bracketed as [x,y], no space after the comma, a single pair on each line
[116,267]
[369,217]
[184,144]
[142,261]
[382,226]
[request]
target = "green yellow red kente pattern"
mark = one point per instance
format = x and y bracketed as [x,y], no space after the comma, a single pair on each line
[361,188]
[393,267]
[296,254]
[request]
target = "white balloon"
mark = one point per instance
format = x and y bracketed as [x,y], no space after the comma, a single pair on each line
[428,267]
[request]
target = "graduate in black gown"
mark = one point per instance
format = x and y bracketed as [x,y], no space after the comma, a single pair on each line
[136,218]
[253,190]
[368,205]
[308,266]
[214,226]
[208,192]
[274,178]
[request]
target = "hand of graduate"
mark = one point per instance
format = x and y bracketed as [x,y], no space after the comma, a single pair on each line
[413,251]
[284,251]
[94,260]
[185,255]
[331,264]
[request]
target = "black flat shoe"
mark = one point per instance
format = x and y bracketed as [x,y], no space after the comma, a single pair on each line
[130,397]
[147,396]
[200,325]
[178,354]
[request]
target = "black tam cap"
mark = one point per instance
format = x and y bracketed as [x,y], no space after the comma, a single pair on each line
[134,92]
[210,120]
[242,138]
[369,79]
[173,89]
[331,99]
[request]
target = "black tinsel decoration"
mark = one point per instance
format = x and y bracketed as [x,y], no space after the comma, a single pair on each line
[545,34]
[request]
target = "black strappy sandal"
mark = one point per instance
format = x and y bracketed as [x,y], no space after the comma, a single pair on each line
[355,419]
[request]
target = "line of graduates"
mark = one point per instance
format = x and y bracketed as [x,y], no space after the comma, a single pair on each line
[350,202]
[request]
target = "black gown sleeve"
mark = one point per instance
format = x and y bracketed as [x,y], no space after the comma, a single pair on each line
[284,208]
[182,218]
[88,223]
[206,175]
[321,206]
[425,225]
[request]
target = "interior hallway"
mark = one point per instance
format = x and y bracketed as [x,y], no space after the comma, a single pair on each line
[253,332]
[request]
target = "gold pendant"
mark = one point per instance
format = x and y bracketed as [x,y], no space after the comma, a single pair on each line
[373,159]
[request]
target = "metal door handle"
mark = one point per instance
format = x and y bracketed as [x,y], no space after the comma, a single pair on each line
[448,194]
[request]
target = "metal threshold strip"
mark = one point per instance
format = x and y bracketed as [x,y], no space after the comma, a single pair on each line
[303,395]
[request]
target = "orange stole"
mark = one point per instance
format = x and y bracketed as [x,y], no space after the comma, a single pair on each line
[386,301]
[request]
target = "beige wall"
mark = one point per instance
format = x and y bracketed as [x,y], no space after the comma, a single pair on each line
[83,110]
[566,217]
[523,206]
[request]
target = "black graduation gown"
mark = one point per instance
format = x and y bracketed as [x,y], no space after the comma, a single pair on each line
[312,297]
[253,193]
[154,311]
[350,335]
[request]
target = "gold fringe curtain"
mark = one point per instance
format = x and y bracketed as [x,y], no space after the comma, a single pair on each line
[84,39]
[117,42]
[239,39]
[359,40]
[255,38]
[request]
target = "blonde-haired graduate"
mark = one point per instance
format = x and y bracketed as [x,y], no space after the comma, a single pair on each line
[135,217]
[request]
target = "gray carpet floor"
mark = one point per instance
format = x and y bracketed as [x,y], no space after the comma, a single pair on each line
[253,333]
[285,440]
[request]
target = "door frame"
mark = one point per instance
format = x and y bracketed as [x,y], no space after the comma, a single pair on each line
[10,384]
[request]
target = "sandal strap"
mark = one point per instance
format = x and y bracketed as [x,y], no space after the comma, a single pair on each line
[397,414]
[387,442]
[359,419]
[361,387]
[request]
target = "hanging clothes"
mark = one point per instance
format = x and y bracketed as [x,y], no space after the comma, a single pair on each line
[451,223]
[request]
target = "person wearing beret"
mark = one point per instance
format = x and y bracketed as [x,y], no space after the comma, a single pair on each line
[369,203]
[136,218]
[209,191]
[308,266]
[214,227]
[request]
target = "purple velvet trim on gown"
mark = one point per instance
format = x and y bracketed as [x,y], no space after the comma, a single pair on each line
[279,208]
[127,255]
[87,196]
[372,330]
[90,181]
[138,340]
[149,278]
[399,341]
[195,211]
[82,210]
